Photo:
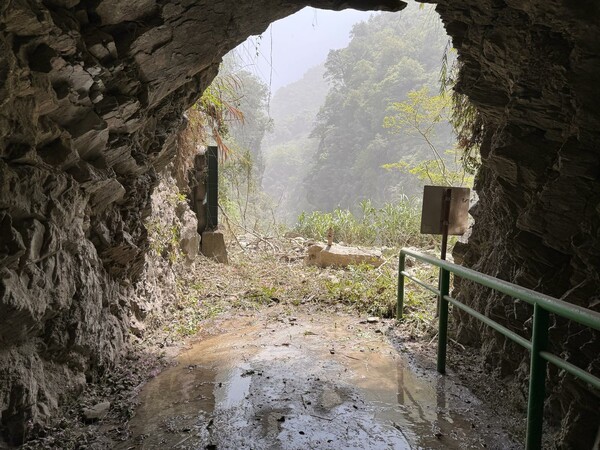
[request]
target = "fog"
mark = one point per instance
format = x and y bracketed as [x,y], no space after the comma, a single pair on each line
[283,53]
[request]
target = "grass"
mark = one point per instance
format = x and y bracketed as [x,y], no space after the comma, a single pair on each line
[419,303]
[260,275]
[394,225]
[266,271]
[365,289]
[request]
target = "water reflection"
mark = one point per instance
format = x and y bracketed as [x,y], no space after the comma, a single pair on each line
[316,384]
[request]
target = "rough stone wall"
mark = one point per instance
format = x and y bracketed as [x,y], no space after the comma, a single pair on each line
[174,244]
[92,94]
[532,68]
[91,97]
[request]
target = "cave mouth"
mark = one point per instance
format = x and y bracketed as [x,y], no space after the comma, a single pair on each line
[93,95]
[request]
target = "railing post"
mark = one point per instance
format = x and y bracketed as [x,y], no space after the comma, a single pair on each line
[537,379]
[400,302]
[443,320]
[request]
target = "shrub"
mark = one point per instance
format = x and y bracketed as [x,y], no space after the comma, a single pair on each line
[394,225]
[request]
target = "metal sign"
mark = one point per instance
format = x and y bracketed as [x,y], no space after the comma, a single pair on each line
[435,201]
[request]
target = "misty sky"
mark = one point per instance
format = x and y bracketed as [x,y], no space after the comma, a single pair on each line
[299,42]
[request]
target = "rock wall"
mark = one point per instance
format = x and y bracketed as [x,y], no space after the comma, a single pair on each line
[91,98]
[174,243]
[92,95]
[531,69]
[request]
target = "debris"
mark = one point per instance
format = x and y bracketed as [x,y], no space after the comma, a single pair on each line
[372,319]
[96,412]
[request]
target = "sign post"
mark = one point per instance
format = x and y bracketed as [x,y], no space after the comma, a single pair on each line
[212,188]
[446,199]
[446,212]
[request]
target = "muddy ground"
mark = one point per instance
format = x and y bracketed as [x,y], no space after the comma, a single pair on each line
[267,353]
[277,380]
[287,378]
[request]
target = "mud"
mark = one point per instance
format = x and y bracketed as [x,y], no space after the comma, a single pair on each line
[278,382]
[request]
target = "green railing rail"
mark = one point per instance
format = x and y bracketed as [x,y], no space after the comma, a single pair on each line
[542,306]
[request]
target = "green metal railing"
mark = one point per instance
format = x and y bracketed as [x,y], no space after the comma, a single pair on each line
[542,306]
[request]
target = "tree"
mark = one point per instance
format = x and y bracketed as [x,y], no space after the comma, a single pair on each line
[422,115]
[387,57]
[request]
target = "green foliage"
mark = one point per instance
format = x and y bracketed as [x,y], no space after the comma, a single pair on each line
[164,239]
[219,106]
[176,199]
[288,149]
[466,121]
[421,115]
[388,56]
[246,137]
[262,295]
[429,172]
[236,102]
[393,224]
[191,309]
[366,289]
[419,303]
[244,204]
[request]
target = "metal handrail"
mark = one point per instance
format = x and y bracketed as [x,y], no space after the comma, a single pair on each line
[542,304]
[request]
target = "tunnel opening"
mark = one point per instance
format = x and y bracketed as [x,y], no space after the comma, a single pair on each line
[91,94]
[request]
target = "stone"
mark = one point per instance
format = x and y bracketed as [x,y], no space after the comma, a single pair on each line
[117,11]
[189,238]
[341,256]
[96,412]
[213,246]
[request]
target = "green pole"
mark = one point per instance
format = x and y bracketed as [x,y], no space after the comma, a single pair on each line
[212,188]
[400,303]
[443,320]
[537,379]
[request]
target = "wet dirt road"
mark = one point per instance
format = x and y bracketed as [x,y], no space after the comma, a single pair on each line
[306,382]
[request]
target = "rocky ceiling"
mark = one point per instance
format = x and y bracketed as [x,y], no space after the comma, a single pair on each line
[92,95]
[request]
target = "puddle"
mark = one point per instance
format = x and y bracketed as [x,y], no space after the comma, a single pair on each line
[311,383]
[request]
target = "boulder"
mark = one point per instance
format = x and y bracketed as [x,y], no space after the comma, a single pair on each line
[190,239]
[96,412]
[323,255]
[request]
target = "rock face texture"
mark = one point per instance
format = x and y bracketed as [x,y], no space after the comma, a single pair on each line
[173,245]
[91,99]
[92,96]
[530,68]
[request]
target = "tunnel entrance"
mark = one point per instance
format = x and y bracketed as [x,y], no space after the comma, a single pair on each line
[92,95]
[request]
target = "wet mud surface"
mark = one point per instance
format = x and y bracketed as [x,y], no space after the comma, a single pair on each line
[306,382]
